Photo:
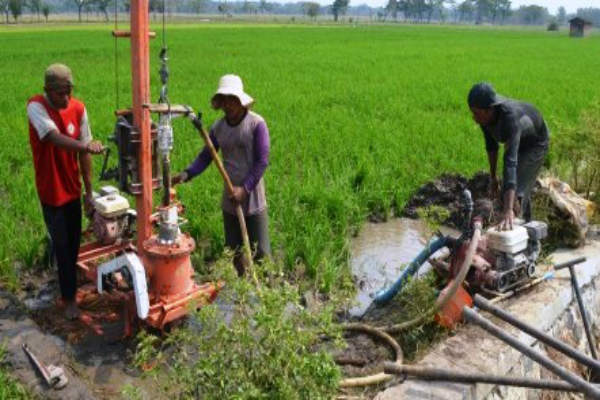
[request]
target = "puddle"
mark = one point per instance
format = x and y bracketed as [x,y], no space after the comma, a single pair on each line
[380,253]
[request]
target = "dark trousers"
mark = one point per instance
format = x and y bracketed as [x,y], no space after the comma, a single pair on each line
[258,234]
[64,226]
[528,166]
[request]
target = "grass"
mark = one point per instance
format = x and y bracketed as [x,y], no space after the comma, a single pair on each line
[10,389]
[359,117]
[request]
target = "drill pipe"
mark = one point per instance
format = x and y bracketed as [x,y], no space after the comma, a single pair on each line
[586,323]
[569,351]
[438,374]
[581,384]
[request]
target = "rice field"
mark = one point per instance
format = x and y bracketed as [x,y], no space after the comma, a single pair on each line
[359,117]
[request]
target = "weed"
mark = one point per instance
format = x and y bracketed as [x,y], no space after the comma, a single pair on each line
[256,342]
[10,388]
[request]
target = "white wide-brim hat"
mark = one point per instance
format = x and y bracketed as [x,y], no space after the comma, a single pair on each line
[232,85]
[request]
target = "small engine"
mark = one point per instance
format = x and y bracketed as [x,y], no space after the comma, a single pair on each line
[512,255]
[113,219]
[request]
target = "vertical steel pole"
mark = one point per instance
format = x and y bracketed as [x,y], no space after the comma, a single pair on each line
[586,322]
[140,65]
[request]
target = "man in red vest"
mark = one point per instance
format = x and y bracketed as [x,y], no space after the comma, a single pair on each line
[61,143]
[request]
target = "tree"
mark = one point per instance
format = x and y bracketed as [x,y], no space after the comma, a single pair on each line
[532,15]
[80,5]
[392,8]
[339,7]
[466,9]
[311,9]
[561,16]
[483,9]
[103,7]
[35,6]
[16,8]
[198,6]
[155,6]
[432,6]
[504,9]
[223,8]
[46,11]
[248,7]
[5,8]
[263,6]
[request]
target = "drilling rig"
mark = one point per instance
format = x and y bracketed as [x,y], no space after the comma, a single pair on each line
[140,256]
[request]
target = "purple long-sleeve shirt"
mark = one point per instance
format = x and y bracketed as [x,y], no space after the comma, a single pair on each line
[261,157]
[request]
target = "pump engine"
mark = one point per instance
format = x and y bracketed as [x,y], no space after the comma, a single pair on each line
[113,220]
[503,259]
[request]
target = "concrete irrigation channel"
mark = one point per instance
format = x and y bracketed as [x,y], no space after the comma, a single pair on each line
[550,307]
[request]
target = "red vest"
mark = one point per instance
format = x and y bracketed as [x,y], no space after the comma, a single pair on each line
[57,170]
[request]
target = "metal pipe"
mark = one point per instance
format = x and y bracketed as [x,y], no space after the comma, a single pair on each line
[586,323]
[166,175]
[575,354]
[438,374]
[569,263]
[585,387]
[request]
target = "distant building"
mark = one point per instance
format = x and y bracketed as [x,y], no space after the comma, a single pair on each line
[580,27]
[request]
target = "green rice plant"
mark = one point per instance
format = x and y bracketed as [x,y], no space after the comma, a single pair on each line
[10,388]
[359,116]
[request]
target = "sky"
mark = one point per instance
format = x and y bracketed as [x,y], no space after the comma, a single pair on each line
[570,5]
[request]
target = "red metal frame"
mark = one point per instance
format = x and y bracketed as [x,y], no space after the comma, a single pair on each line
[172,290]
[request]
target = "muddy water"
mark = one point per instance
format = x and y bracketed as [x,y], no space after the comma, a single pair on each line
[380,253]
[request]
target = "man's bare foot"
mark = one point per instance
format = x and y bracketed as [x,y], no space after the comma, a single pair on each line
[72,311]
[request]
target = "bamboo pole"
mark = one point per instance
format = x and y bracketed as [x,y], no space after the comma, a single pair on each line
[247,261]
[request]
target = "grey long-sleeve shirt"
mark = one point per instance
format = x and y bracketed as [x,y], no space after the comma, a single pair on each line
[521,127]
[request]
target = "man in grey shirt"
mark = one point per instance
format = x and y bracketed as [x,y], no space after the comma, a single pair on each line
[522,129]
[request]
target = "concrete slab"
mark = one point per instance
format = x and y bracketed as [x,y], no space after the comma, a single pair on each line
[549,306]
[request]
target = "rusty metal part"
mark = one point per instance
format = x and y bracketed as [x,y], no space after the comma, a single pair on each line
[519,289]
[53,375]
[586,323]
[127,34]
[581,384]
[569,351]
[140,81]
[438,374]
[169,265]
[172,288]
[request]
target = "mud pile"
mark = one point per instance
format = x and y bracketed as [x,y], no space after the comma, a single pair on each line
[566,225]
[446,191]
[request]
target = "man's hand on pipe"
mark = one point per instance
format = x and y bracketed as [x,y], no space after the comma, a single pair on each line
[94,147]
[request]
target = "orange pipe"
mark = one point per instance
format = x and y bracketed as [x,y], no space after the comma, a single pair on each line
[140,79]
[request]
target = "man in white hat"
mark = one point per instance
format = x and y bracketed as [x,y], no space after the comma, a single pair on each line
[61,143]
[243,137]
